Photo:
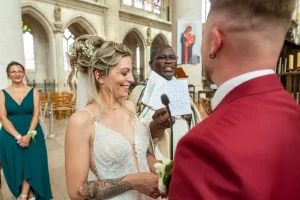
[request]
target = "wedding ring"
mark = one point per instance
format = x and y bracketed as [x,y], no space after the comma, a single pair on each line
[156,193]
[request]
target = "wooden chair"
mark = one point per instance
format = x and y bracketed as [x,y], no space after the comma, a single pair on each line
[62,105]
[293,85]
[208,93]
[192,91]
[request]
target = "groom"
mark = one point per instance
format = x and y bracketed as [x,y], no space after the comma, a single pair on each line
[248,148]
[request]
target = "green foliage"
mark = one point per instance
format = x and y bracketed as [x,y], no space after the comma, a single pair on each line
[168,175]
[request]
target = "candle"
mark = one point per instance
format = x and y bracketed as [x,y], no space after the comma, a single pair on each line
[291,61]
[298,59]
[278,69]
[285,64]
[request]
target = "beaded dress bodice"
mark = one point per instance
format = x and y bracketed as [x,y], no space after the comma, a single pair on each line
[114,157]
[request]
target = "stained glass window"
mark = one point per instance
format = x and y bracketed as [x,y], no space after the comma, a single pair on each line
[25,28]
[28,47]
[157,4]
[127,2]
[138,60]
[68,40]
[138,3]
[148,5]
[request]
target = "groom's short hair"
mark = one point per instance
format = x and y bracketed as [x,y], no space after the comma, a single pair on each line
[279,11]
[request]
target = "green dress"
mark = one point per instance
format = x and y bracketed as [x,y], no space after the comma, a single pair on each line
[24,163]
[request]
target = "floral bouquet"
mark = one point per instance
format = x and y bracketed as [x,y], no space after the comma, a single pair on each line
[164,171]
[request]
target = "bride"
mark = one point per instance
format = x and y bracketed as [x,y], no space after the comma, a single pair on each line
[105,136]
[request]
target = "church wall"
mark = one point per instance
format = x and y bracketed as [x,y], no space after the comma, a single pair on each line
[142,30]
[46,57]
[41,46]
[91,16]
[127,26]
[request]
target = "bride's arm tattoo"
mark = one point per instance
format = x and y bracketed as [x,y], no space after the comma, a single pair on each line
[103,189]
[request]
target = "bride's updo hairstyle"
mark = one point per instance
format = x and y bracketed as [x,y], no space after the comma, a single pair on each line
[90,53]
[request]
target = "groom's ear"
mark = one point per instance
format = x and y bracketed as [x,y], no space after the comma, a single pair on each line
[99,76]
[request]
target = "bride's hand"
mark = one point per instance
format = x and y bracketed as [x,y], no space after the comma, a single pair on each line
[146,183]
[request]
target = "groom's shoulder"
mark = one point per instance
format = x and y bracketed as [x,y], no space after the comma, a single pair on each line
[218,124]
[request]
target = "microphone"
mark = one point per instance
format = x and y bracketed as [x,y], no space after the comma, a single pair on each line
[165,100]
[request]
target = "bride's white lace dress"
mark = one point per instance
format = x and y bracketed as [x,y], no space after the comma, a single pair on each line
[113,156]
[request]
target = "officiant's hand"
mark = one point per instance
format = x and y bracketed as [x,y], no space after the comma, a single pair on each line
[160,123]
[161,118]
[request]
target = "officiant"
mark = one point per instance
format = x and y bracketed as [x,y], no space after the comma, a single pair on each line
[164,62]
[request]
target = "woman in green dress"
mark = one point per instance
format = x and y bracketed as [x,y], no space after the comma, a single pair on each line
[23,153]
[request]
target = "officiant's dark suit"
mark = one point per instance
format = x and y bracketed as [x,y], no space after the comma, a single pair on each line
[249,147]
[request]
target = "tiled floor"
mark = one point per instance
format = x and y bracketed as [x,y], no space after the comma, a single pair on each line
[56,160]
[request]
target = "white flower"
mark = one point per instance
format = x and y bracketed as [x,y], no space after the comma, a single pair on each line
[32,134]
[72,50]
[161,187]
[88,50]
[160,167]
[163,174]
[167,161]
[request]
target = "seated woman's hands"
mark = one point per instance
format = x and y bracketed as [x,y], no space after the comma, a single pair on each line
[24,141]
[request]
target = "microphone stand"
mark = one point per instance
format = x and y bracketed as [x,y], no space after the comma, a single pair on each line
[171,128]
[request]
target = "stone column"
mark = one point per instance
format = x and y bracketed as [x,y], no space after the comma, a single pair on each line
[112,21]
[188,10]
[59,55]
[147,67]
[149,41]
[297,17]
[11,40]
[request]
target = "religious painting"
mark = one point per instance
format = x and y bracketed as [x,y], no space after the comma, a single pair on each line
[189,39]
[156,2]
[157,5]
[148,5]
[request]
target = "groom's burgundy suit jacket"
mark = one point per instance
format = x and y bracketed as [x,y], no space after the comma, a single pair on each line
[247,149]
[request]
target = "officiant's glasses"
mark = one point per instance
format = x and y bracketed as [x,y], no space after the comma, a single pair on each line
[165,58]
